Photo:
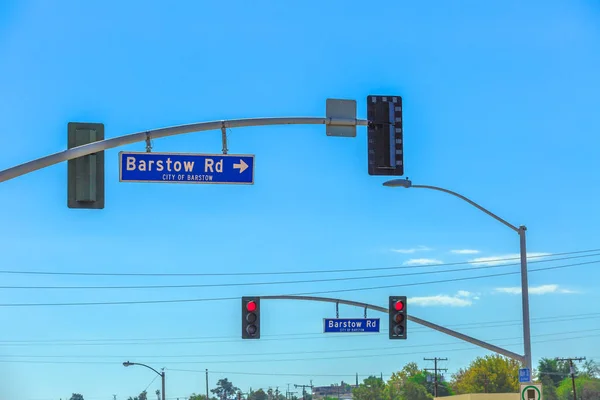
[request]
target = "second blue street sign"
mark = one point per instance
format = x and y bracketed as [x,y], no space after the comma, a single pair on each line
[186,168]
[350,325]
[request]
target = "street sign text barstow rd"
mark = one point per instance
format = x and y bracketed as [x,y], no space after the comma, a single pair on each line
[186,168]
[344,325]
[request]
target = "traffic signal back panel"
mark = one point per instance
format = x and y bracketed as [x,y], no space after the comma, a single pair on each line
[385,135]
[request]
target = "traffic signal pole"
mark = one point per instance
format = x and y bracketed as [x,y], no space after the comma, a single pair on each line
[521,230]
[102,145]
[416,320]
[340,121]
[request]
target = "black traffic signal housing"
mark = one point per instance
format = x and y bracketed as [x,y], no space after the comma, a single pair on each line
[250,317]
[398,317]
[385,135]
[85,179]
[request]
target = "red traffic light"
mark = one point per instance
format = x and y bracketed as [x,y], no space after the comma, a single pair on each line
[251,306]
[399,306]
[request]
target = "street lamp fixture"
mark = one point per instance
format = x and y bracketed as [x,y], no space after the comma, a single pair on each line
[161,374]
[405,183]
[521,230]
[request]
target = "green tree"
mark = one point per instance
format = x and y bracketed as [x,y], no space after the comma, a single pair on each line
[257,395]
[548,388]
[553,370]
[372,388]
[76,396]
[195,396]
[225,389]
[587,388]
[421,378]
[489,374]
[141,396]
[414,391]
[411,382]
[591,390]
[592,369]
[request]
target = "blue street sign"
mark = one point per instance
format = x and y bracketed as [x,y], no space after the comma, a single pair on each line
[524,375]
[186,168]
[344,325]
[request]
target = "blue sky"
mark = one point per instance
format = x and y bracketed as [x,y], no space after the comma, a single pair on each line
[500,104]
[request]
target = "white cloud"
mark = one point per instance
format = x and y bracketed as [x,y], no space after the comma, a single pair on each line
[541,289]
[439,300]
[505,259]
[412,250]
[462,298]
[422,261]
[465,251]
[465,293]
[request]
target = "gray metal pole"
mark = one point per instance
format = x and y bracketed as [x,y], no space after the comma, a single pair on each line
[525,299]
[419,321]
[96,147]
[162,375]
[527,359]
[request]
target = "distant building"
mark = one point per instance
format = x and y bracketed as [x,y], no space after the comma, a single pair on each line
[343,391]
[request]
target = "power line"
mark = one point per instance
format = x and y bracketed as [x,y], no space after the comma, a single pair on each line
[282,336]
[295,352]
[482,324]
[129,302]
[279,353]
[237,361]
[323,271]
[235,284]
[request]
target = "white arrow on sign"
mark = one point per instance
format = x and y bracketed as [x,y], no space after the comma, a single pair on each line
[242,166]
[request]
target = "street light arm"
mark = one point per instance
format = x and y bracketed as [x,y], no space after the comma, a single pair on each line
[471,202]
[147,366]
[521,230]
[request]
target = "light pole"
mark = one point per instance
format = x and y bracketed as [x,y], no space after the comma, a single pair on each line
[161,374]
[521,230]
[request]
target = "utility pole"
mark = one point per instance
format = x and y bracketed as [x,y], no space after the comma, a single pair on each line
[288,394]
[207,398]
[304,389]
[572,370]
[435,372]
